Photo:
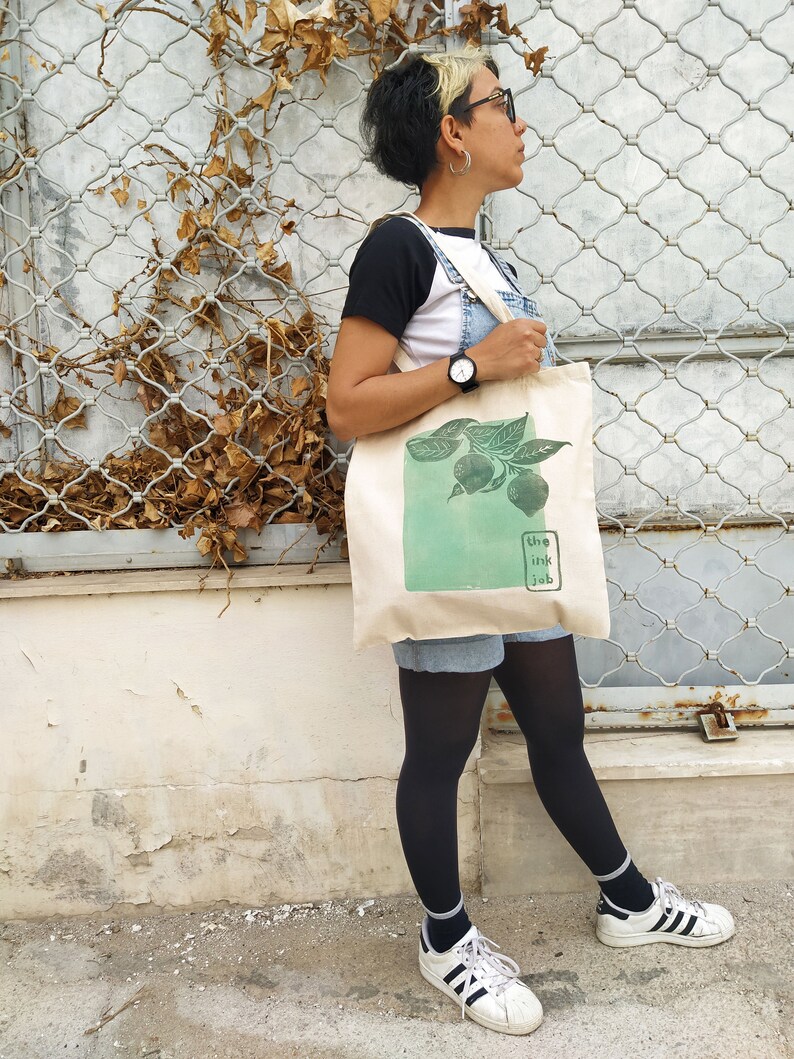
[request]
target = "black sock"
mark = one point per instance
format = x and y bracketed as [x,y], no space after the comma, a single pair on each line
[628,889]
[446,929]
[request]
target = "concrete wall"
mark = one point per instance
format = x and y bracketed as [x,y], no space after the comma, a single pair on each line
[155,754]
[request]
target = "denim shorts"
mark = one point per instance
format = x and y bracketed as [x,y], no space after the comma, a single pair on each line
[464,654]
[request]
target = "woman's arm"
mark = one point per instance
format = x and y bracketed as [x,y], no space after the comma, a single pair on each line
[363,399]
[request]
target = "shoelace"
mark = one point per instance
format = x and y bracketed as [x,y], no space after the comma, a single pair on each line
[495,972]
[671,896]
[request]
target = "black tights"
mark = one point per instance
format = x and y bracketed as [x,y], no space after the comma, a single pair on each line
[442,714]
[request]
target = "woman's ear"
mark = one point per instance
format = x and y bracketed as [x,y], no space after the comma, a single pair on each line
[450,132]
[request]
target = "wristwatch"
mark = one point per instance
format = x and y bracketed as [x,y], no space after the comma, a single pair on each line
[463,371]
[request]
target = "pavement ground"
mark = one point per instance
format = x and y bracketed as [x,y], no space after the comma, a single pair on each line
[339,980]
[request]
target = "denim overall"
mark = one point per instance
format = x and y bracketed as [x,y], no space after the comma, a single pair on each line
[475,654]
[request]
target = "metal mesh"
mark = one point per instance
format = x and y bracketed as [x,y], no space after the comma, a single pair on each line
[175,210]
[655,224]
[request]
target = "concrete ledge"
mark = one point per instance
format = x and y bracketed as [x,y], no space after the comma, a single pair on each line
[692,812]
[115,582]
[655,755]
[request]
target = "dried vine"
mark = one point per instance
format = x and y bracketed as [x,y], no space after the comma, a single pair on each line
[257,451]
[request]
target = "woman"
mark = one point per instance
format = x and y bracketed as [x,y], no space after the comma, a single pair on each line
[445,124]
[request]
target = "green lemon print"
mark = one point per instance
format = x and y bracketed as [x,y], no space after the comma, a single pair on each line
[529,492]
[474,501]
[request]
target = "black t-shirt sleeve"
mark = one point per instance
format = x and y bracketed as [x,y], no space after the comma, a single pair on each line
[391,275]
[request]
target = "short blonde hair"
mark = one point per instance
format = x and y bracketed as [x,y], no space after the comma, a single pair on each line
[455,71]
[404,107]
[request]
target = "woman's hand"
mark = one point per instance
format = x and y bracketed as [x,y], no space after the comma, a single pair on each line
[512,349]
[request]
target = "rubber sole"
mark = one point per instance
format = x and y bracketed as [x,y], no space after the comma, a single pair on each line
[499,1027]
[615,941]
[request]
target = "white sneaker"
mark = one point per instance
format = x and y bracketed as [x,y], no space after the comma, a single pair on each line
[670,918]
[485,984]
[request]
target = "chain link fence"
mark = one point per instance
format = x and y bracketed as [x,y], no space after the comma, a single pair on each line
[175,261]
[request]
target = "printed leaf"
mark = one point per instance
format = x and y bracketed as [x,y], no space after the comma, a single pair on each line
[499,438]
[426,450]
[536,451]
[453,429]
[457,489]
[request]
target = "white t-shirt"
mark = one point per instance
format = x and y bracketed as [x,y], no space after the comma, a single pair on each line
[397,281]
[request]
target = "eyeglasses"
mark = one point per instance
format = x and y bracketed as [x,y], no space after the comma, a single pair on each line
[504,94]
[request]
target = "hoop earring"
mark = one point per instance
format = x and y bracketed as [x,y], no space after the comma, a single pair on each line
[466,166]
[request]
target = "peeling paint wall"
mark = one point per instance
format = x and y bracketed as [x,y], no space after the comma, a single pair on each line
[155,754]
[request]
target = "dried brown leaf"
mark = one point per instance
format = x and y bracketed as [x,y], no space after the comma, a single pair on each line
[265,100]
[242,515]
[325,11]
[187,226]
[219,32]
[283,14]
[381,9]
[272,39]
[534,60]
[265,253]
[189,260]
[63,407]
[215,168]
[283,272]
[229,422]
[228,236]
[149,397]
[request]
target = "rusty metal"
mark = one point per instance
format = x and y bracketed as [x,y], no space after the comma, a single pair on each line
[716,725]
[644,708]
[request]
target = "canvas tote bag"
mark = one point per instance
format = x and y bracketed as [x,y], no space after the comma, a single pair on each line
[479,516]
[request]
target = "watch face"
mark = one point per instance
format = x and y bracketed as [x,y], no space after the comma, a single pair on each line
[462,370]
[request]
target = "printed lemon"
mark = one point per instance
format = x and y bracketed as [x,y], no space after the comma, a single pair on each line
[529,492]
[474,471]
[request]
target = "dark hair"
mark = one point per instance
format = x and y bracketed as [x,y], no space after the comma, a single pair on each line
[402,114]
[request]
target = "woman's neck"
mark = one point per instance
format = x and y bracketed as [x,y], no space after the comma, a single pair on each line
[440,209]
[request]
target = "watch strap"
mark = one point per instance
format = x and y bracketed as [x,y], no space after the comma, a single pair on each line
[470,384]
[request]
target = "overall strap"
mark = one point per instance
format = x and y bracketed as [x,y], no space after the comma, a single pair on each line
[445,262]
[503,269]
[484,291]
[481,287]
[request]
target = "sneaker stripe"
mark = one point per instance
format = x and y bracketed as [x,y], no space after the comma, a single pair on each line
[672,928]
[690,925]
[476,996]
[454,973]
[659,922]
